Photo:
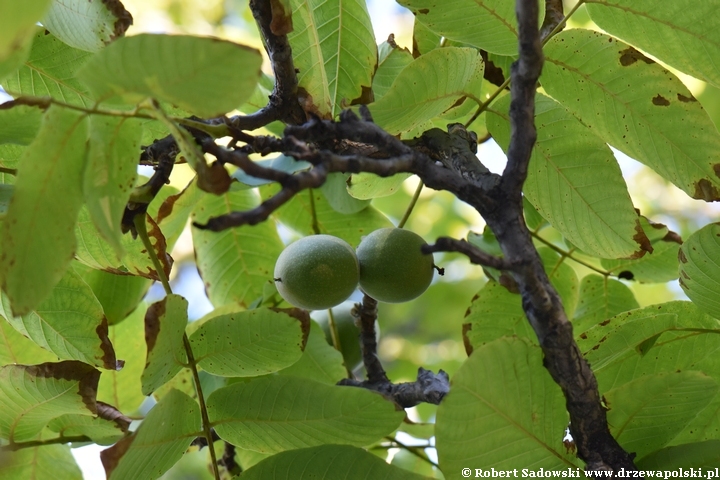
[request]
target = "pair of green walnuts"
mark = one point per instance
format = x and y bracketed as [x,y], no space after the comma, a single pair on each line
[321,271]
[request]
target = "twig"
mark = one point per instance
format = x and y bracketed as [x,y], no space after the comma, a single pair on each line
[474,254]
[414,450]
[411,206]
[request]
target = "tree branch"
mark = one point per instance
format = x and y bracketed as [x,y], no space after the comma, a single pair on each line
[474,254]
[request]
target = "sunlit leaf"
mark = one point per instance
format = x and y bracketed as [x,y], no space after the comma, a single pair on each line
[10,155]
[32,395]
[336,193]
[327,462]
[277,413]
[678,33]
[50,70]
[68,323]
[699,270]
[489,25]
[110,173]
[205,76]
[100,430]
[319,361]
[601,298]
[575,182]
[165,323]
[427,87]
[366,186]
[647,413]
[393,60]
[636,106]
[46,197]
[158,444]
[334,49]
[503,410]
[87,25]
[47,461]
[424,39]
[563,278]
[236,262]
[248,344]
[16,348]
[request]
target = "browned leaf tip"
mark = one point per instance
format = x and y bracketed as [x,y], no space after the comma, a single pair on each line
[109,360]
[168,204]
[303,316]
[281,23]
[112,414]
[152,322]
[123,18]
[110,457]
[158,241]
[704,190]
[641,239]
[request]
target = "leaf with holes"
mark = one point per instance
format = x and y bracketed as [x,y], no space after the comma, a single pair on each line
[334,49]
[636,106]
[277,413]
[32,395]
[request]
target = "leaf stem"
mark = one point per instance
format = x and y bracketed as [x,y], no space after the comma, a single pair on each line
[410,207]
[9,171]
[566,254]
[141,227]
[413,450]
[12,447]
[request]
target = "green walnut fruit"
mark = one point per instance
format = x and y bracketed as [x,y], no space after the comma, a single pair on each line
[392,267]
[317,272]
[348,333]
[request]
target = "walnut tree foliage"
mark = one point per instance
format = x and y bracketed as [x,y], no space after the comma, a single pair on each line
[320,140]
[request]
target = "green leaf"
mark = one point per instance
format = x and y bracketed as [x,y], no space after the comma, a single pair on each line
[496,313]
[429,86]
[119,295]
[336,193]
[159,443]
[277,413]
[690,455]
[173,214]
[298,215]
[100,430]
[563,278]
[10,155]
[165,323]
[574,182]
[47,197]
[366,186]
[236,262]
[110,173]
[16,57]
[636,332]
[47,461]
[123,388]
[502,399]
[327,462]
[87,25]
[32,395]
[20,124]
[50,70]
[486,24]
[68,323]
[636,106]
[16,348]
[248,344]
[319,361]
[18,23]
[393,60]
[678,33]
[699,270]
[659,266]
[205,76]
[601,298]
[648,412]
[424,39]
[334,49]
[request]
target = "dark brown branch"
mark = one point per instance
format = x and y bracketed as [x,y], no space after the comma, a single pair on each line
[553,17]
[366,313]
[474,254]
